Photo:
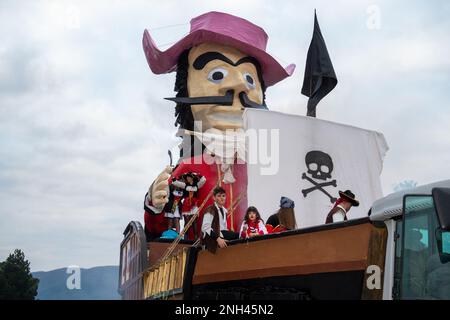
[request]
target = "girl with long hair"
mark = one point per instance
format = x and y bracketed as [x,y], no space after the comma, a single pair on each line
[252,225]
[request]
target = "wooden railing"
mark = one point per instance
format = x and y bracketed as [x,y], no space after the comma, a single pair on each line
[166,279]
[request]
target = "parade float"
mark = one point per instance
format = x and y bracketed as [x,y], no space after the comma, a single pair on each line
[230,138]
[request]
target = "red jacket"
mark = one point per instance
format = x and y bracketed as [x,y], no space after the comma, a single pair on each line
[156,224]
[252,227]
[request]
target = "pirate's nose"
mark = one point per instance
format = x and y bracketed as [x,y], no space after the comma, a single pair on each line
[237,85]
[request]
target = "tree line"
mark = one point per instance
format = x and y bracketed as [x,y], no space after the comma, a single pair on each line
[16,280]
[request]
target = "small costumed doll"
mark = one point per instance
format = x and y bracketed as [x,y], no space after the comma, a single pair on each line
[252,225]
[192,182]
[172,209]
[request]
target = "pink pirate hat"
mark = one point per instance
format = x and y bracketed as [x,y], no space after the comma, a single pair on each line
[220,28]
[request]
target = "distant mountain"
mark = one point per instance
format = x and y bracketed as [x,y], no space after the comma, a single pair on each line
[98,283]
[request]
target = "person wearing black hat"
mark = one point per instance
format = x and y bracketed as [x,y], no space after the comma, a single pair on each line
[341,207]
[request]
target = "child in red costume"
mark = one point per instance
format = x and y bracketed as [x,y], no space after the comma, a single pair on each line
[252,225]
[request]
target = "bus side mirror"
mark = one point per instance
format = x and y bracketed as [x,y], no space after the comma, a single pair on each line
[441,198]
[443,244]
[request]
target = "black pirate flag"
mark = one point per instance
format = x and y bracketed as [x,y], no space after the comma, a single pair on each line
[319,78]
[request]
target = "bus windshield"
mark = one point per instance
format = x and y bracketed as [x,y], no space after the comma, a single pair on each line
[422,273]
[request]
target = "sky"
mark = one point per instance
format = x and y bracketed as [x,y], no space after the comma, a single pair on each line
[84,128]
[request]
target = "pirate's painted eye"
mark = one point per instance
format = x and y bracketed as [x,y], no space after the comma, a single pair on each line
[249,80]
[217,75]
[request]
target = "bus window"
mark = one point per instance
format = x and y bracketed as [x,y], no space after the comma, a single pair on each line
[446,242]
[422,274]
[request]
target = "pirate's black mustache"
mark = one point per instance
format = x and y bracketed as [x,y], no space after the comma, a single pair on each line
[246,102]
[226,100]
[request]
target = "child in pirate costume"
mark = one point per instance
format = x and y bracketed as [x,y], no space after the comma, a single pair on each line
[215,230]
[341,207]
[252,225]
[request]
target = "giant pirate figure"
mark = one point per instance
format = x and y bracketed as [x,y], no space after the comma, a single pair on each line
[222,67]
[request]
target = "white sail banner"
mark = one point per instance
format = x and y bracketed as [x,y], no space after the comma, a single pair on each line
[309,160]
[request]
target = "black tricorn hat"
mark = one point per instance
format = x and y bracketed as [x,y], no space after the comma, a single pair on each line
[350,196]
[191,174]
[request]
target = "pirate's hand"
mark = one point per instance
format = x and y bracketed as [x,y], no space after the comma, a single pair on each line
[221,242]
[159,190]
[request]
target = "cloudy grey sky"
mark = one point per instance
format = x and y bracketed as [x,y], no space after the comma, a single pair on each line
[84,128]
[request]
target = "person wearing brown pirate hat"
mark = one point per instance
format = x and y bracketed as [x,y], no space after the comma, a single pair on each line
[342,206]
